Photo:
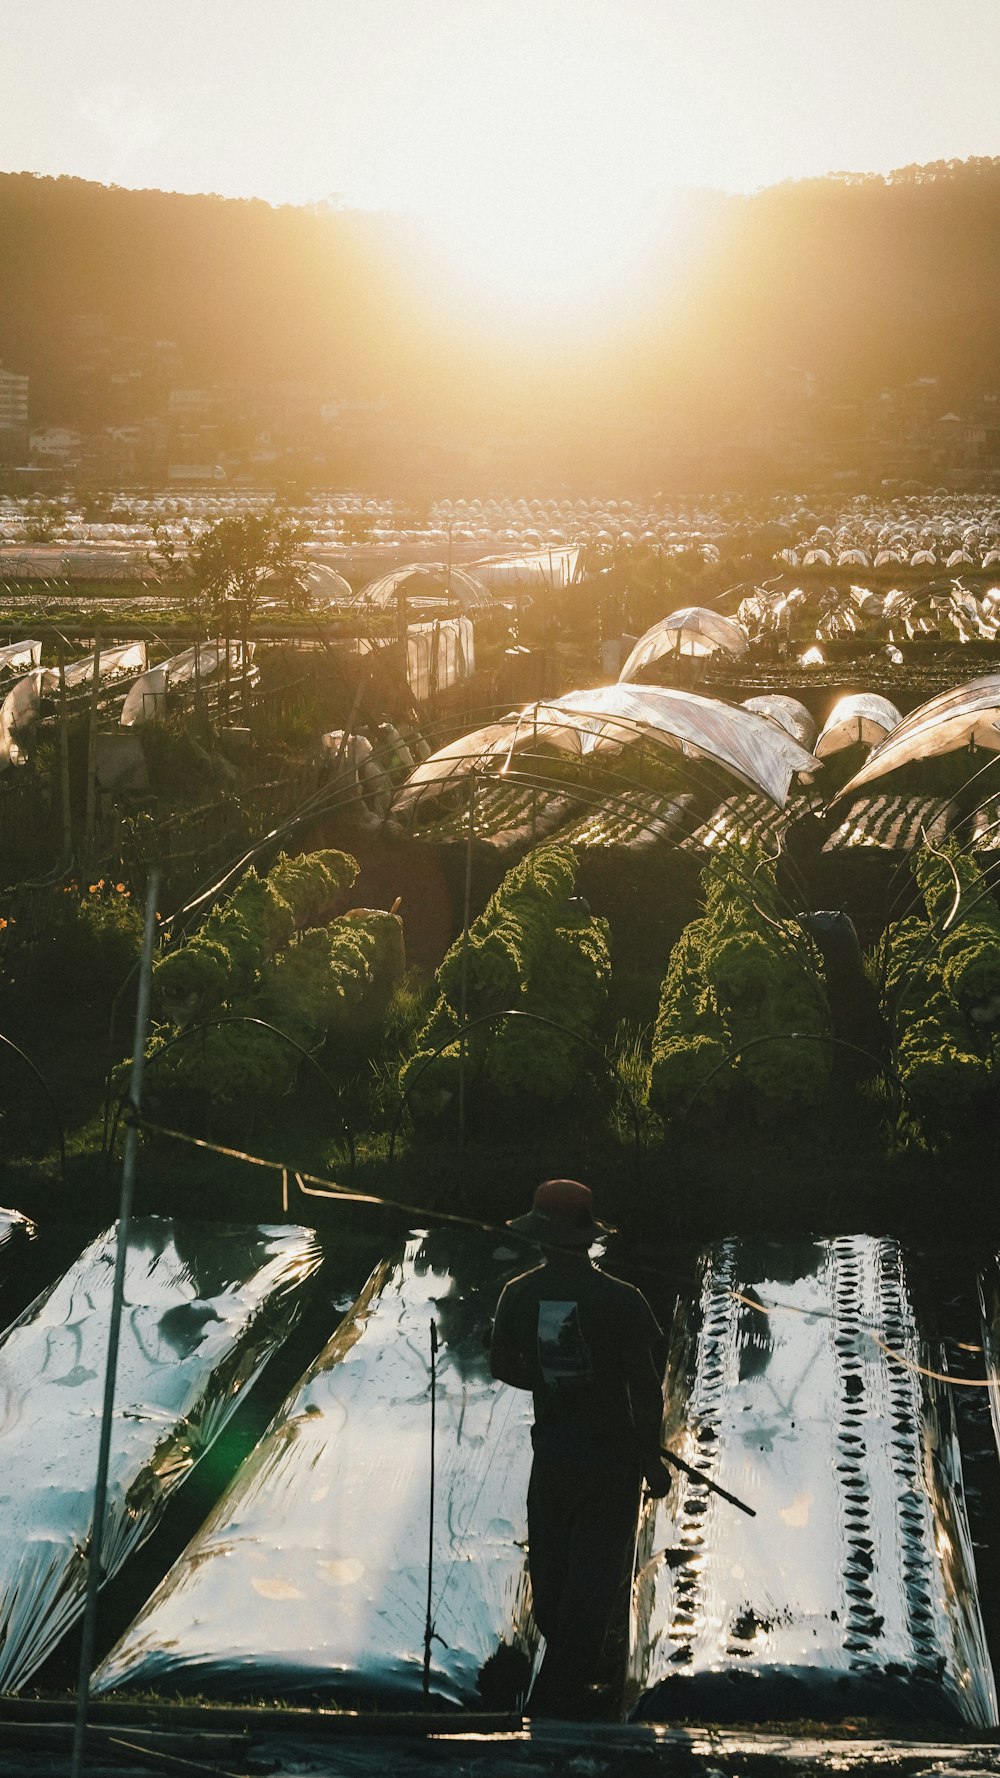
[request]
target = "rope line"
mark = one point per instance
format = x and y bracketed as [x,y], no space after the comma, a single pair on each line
[313,1185]
[910,1364]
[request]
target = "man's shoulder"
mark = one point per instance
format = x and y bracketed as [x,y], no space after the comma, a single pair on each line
[626,1298]
[523,1282]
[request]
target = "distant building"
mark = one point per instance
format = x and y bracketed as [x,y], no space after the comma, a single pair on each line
[55,444]
[13,416]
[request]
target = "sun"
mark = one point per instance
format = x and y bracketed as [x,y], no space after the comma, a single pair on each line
[533,258]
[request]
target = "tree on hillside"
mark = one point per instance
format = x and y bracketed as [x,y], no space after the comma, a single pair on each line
[239,561]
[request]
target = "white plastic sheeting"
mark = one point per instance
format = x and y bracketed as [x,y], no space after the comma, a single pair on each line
[312,1570]
[853,1591]
[969,715]
[538,568]
[861,719]
[610,717]
[19,654]
[439,653]
[204,1309]
[147,698]
[15,1233]
[21,706]
[14,1228]
[693,630]
[430,584]
[794,718]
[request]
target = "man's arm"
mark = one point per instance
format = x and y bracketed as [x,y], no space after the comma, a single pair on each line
[644,1357]
[508,1361]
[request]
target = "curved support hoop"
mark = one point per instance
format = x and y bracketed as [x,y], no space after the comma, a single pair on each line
[736,1055]
[244,1019]
[511,1012]
[39,1076]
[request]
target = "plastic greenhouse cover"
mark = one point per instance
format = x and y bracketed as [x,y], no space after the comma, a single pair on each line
[749,745]
[693,630]
[21,705]
[147,697]
[853,1590]
[793,716]
[426,582]
[609,717]
[205,1307]
[15,1233]
[970,713]
[312,1572]
[20,654]
[861,719]
[439,653]
[540,568]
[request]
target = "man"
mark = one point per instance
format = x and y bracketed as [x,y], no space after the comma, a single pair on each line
[588,1347]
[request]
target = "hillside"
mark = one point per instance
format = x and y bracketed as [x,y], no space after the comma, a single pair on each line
[110,299]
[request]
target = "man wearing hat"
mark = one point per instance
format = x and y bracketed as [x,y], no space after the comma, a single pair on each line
[589,1348]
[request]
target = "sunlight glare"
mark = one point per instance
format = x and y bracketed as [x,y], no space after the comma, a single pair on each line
[527,258]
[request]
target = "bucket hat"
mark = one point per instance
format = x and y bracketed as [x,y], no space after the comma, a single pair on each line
[561,1215]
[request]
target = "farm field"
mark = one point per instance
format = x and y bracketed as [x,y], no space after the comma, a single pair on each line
[720,937]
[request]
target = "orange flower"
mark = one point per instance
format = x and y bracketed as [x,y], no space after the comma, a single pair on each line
[120,889]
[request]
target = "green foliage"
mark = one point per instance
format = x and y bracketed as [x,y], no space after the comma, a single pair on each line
[84,944]
[533,949]
[250,960]
[969,950]
[239,556]
[310,882]
[737,975]
[942,996]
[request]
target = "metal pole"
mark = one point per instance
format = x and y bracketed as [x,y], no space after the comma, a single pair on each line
[428,1620]
[114,1330]
[465,955]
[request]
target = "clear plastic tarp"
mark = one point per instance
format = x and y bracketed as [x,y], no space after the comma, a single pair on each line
[693,630]
[610,717]
[967,716]
[21,706]
[19,654]
[853,1591]
[147,698]
[429,584]
[205,1307]
[794,718]
[15,1233]
[538,568]
[861,719]
[439,654]
[312,1572]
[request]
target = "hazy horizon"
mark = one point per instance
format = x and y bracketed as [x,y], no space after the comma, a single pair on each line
[543,141]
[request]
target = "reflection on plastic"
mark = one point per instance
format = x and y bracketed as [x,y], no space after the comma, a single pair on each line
[312,1571]
[853,1590]
[205,1307]
[15,1231]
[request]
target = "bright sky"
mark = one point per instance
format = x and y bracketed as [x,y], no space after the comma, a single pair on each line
[548,131]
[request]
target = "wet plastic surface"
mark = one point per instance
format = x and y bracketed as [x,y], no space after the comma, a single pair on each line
[853,1590]
[204,1308]
[312,1572]
[15,1233]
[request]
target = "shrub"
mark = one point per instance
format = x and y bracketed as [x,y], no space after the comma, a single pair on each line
[737,975]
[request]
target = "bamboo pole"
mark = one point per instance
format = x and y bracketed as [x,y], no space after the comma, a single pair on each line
[114,1328]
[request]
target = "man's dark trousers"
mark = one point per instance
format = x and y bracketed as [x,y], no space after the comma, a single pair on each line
[582,1513]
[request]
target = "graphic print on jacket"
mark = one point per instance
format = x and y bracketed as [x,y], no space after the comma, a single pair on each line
[563,1353]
